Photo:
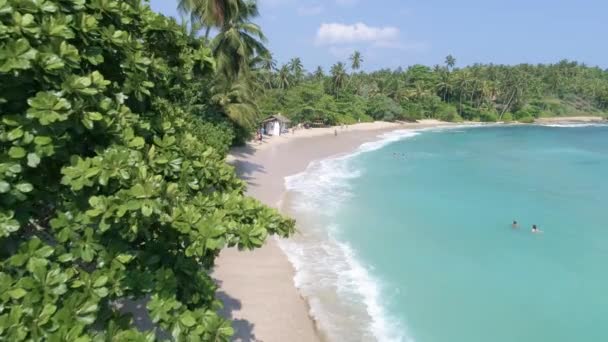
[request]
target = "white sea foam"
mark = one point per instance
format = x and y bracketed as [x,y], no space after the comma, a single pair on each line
[343,294]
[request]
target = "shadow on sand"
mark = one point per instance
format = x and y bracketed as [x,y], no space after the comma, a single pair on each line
[243,329]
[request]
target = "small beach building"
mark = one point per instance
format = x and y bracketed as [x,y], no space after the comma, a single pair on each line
[275,124]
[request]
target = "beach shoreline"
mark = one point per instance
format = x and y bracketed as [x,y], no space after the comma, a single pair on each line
[265,304]
[258,286]
[570,119]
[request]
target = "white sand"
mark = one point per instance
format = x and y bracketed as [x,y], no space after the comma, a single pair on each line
[563,119]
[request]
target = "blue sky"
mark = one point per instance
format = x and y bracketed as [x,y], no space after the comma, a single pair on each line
[392,33]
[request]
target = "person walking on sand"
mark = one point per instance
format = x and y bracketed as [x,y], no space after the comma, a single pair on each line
[335,132]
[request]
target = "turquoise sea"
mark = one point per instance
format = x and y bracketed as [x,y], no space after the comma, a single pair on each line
[409,238]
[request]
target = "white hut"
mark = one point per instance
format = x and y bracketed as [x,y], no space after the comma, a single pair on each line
[275,124]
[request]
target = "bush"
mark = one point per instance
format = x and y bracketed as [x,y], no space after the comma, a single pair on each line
[412,112]
[527,119]
[448,113]
[110,187]
[527,111]
[381,107]
[219,134]
[488,117]
[345,119]
[507,117]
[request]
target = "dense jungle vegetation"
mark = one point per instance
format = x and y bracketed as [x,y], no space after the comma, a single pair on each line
[481,92]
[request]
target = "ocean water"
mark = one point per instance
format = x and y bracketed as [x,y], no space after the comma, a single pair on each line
[409,238]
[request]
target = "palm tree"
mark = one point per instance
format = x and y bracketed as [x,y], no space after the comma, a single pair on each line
[211,13]
[263,66]
[238,42]
[444,87]
[462,82]
[284,78]
[450,61]
[191,27]
[338,76]
[356,60]
[266,62]
[296,67]
[236,100]
[318,74]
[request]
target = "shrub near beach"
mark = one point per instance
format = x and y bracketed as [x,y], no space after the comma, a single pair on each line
[110,187]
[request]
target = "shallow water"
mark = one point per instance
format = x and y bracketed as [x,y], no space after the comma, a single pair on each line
[409,238]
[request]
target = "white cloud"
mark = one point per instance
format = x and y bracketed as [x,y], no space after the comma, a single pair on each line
[336,33]
[310,10]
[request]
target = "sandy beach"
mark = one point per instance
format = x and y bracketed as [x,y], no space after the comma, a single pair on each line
[566,119]
[257,287]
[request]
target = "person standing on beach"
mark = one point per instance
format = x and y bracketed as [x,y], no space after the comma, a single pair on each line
[335,132]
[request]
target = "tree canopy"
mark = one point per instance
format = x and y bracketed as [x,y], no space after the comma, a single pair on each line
[113,183]
[481,92]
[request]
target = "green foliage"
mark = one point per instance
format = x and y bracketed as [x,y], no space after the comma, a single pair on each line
[382,107]
[488,117]
[113,182]
[478,92]
[448,113]
[526,119]
[507,117]
[525,112]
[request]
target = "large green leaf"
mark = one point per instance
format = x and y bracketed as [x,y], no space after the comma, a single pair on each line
[48,107]
[16,55]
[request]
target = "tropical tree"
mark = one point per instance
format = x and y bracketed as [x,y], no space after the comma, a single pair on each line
[450,62]
[263,66]
[318,74]
[265,62]
[480,92]
[444,86]
[462,81]
[236,99]
[296,68]
[212,13]
[284,77]
[338,77]
[238,41]
[356,60]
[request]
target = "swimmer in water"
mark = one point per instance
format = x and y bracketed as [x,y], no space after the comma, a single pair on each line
[515,225]
[535,229]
